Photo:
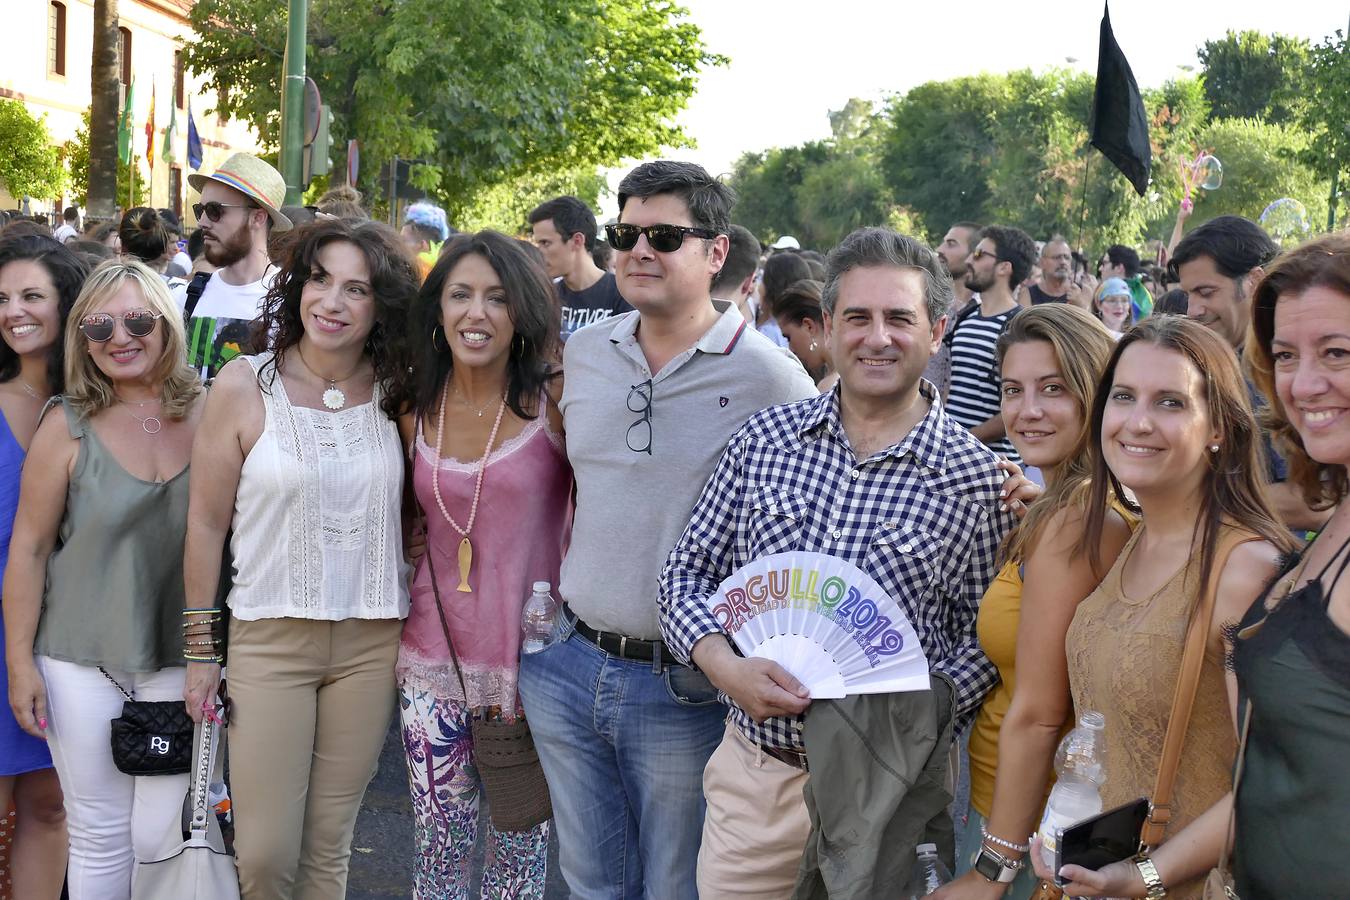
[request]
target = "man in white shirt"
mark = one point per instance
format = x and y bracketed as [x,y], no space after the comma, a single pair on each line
[70,225]
[240,205]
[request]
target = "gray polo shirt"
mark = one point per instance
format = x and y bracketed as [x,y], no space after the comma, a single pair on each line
[632,506]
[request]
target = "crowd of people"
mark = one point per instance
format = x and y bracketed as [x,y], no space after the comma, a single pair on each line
[305,476]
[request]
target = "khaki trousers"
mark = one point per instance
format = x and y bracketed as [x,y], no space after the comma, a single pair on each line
[312,702]
[756,826]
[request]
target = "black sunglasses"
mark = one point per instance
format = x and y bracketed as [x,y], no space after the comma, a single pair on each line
[641,395]
[663,238]
[214,210]
[98,327]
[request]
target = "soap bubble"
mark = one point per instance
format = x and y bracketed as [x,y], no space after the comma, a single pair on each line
[1285,218]
[1209,172]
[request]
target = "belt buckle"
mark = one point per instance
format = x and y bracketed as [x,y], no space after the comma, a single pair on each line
[623,646]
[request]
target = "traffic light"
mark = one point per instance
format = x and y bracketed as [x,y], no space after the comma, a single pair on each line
[318,151]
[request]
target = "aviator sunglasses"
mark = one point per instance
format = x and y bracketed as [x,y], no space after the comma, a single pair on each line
[215,210]
[98,327]
[662,238]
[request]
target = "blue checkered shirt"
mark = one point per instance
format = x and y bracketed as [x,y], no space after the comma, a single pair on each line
[921,517]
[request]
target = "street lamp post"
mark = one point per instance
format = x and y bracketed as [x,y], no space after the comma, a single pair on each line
[293,102]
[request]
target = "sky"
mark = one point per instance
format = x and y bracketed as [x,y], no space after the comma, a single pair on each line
[792,61]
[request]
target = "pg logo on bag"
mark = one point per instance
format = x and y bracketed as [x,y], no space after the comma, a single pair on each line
[160,745]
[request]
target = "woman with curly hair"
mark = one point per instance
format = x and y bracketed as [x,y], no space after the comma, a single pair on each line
[306,478]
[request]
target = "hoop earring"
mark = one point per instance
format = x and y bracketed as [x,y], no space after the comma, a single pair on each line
[519,337]
[437,329]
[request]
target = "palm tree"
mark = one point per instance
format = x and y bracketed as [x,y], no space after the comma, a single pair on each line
[104,103]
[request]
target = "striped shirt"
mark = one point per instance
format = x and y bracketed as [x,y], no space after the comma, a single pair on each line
[921,517]
[974,395]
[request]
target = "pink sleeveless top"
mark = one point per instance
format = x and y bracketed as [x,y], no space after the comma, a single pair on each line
[523,526]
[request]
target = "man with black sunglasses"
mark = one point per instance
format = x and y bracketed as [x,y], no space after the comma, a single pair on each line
[651,398]
[240,206]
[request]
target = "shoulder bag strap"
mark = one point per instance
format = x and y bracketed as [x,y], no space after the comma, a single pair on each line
[1237,780]
[194,293]
[1188,682]
[436,593]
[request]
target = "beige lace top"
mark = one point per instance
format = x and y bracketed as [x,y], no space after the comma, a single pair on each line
[1124,656]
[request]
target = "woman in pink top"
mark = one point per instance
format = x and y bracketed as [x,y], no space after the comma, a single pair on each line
[491,475]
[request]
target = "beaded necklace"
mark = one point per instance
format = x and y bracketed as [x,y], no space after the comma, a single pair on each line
[465,547]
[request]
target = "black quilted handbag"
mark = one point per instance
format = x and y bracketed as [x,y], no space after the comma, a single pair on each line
[151,737]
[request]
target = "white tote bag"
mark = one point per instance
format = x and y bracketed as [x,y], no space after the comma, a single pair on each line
[198,868]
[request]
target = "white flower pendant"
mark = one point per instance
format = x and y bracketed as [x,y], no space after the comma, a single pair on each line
[333,398]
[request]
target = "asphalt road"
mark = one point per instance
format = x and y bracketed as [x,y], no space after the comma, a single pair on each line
[382,852]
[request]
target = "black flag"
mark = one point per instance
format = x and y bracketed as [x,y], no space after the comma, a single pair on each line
[1119,124]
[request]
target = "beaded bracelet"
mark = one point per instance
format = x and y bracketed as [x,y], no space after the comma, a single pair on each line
[1000,842]
[198,658]
[201,612]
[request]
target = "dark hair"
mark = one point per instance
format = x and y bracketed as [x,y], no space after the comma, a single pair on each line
[1172,303]
[393,282]
[1236,245]
[101,232]
[801,300]
[300,215]
[531,303]
[601,254]
[973,227]
[1015,247]
[92,248]
[1322,263]
[812,256]
[344,202]
[742,258]
[26,226]
[708,200]
[569,216]
[171,221]
[1120,255]
[67,271]
[71,213]
[196,243]
[781,270]
[144,235]
[883,247]
[1234,491]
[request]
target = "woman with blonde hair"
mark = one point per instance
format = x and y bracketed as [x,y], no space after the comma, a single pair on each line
[94,587]
[1050,358]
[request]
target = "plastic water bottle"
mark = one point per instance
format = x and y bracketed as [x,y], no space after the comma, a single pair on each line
[929,873]
[538,619]
[1080,767]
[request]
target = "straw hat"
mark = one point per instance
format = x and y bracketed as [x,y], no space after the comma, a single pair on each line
[255,179]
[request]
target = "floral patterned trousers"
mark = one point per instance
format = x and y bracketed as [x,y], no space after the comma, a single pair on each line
[446,792]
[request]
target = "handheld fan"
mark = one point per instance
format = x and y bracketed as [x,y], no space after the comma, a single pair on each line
[825,621]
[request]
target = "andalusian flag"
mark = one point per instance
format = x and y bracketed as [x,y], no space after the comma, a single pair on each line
[170,137]
[124,125]
[150,131]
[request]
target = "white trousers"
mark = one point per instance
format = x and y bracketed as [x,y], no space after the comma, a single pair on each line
[113,818]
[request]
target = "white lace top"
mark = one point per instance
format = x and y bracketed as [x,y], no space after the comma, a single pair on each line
[317,533]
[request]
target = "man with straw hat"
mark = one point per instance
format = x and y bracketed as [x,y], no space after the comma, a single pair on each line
[240,206]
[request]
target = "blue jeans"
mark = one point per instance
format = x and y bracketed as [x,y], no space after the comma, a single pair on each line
[623,748]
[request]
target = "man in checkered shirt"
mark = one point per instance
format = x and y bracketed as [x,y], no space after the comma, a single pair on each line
[873,473]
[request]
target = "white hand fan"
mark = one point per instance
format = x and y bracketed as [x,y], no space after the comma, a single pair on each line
[825,621]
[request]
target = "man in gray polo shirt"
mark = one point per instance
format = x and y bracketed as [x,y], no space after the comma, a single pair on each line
[651,398]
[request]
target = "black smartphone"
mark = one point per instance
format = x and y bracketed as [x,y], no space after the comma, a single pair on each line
[1103,839]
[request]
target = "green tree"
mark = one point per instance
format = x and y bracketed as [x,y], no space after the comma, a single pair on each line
[1260,164]
[75,154]
[505,207]
[766,188]
[1255,76]
[30,165]
[481,93]
[1326,118]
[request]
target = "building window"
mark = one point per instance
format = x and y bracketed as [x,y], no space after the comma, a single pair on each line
[178,79]
[176,191]
[56,38]
[124,53]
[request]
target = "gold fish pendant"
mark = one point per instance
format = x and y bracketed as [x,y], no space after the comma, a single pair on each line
[465,561]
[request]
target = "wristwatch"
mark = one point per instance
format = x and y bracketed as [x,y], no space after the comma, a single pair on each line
[1152,880]
[994,866]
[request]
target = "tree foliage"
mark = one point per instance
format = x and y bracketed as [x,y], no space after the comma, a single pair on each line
[1326,118]
[1250,75]
[479,94]
[75,155]
[1260,164]
[505,207]
[30,164]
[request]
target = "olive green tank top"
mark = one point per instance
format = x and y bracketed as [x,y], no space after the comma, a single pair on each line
[115,582]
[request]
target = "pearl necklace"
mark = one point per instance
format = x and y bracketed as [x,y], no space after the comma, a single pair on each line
[465,547]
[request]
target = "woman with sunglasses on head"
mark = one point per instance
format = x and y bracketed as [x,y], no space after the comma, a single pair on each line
[1050,358]
[306,482]
[1172,424]
[489,472]
[94,587]
[39,281]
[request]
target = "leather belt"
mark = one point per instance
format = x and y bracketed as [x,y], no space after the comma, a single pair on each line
[793,758]
[623,646]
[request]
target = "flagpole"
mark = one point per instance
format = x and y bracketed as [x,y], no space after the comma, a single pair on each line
[1082,216]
